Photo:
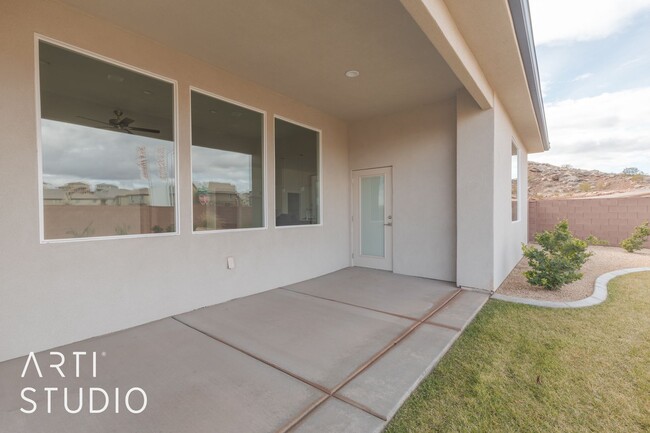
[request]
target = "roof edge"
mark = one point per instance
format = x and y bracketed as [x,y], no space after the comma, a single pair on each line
[524,32]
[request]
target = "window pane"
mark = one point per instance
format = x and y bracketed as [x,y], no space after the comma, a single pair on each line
[372,216]
[297,177]
[107,138]
[514,182]
[227,165]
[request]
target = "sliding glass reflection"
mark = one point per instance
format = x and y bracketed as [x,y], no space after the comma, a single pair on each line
[297,174]
[108,151]
[227,165]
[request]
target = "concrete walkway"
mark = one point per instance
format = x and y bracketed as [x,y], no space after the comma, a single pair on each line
[339,353]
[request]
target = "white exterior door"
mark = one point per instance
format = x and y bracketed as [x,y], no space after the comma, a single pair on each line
[372,218]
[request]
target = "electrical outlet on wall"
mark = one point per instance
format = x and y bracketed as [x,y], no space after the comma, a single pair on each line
[230,263]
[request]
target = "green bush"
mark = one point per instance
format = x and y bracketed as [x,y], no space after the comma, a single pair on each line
[593,240]
[638,238]
[559,260]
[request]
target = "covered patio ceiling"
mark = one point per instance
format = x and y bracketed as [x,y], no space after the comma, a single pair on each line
[301,49]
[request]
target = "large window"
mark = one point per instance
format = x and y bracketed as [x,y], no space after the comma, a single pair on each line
[297,174]
[227,165]
[108,150]
[514,182]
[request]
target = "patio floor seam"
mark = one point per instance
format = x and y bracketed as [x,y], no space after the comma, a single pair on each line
[270,364]
[369,363]
[440,325]
[328,393]
[444,301]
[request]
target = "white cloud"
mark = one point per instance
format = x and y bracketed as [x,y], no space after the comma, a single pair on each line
[583,76]
[215,165]
[80,153]
[556,21]
[607,132]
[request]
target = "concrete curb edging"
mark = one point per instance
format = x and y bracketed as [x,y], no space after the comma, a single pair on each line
[598,296]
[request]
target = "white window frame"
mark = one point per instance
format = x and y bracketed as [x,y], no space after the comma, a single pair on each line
[320,175]
[264,163]
[39,148]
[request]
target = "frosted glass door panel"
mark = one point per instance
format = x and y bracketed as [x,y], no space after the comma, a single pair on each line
[372,216]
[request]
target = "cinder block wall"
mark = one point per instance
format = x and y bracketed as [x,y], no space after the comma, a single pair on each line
[611,219]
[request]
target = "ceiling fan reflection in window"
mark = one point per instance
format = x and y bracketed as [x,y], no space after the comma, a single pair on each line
[121,124]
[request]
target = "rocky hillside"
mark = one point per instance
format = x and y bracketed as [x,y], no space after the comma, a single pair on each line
[546,181]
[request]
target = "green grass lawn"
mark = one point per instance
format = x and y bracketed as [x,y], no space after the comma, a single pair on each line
[518,368]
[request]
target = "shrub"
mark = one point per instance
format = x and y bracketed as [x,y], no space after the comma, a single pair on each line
[630,171]
[593,240]
[122,229]
[585,187]
[559,260]
[638,238]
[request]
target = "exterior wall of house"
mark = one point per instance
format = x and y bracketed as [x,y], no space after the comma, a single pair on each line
[508,234]
[489,242]
[56,293]
[420,146]
[475,197]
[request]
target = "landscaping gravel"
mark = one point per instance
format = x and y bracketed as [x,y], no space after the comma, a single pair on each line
[605,259]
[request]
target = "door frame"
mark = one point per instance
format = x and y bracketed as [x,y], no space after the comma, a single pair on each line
[386,262]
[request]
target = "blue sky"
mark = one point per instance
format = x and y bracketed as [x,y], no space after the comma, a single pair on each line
[594,64]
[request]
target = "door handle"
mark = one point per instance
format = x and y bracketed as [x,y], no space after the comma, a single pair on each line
[388,224]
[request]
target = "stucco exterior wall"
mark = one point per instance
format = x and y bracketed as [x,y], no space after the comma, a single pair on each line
[489,242]
[508,234]
[475,156]
[420,146]
[52,294]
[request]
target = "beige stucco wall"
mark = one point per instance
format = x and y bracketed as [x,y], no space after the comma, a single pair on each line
[489,242]
[508,235]
[53,294]
[420,146]
[475,195]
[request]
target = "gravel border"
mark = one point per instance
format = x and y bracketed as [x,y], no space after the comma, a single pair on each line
[599,295]
[604,259]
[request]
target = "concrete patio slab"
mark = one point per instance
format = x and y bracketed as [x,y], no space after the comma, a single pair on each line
[265,363]
[193,384]
[385,385]
[320,341]
[334,416]
[379,290]
[460,310]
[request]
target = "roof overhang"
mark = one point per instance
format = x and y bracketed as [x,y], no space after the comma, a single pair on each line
[489,46]
[524,30]
[409,54]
